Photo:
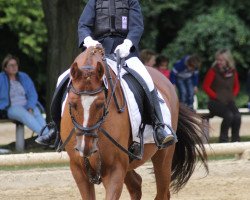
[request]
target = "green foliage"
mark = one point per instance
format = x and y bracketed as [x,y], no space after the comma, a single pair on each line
[207,33]
[25,18]
[153,11]
[202,99]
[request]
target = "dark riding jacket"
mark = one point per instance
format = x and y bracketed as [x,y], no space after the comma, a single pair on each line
[113,30]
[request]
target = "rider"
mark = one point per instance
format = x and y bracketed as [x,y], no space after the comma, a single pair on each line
[118,25]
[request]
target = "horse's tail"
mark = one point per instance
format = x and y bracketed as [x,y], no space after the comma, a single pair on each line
[189,148]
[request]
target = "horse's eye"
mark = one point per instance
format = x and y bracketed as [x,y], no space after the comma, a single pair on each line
[73,105]
[99,104]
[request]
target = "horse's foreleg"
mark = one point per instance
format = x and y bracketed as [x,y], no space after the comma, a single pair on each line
[86,189]
[133,182]
[162,162]
[113,183]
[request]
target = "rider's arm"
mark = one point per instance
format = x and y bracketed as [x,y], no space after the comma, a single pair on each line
[136,26]
[86,22]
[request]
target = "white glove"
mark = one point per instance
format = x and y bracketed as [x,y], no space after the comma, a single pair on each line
[124,48]
[88,42]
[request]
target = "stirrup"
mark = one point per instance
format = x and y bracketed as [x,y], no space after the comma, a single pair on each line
[50,125]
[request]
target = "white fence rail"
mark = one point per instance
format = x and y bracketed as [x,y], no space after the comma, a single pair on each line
[227,148]
[33,158]
[237,148]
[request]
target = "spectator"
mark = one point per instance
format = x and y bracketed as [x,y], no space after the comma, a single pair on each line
[222,86]
[161,63]
[147,57]
[18,96]
[184,75]
[248,89]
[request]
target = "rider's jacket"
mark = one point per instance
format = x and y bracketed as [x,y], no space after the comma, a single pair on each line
[96,21]
[111,18]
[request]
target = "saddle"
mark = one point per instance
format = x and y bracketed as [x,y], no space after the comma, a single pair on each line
[141,93]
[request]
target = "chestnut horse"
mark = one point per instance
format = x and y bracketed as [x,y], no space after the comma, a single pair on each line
[90,111]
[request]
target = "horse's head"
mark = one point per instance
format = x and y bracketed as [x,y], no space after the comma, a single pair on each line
[87,98]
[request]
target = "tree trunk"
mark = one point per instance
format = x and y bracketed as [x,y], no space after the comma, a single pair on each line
[61,18]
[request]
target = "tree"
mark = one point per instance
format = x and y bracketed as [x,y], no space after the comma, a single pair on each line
[61,17]
[206,33]
[162,19]
[25,19]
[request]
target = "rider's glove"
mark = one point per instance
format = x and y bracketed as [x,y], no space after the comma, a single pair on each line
[124,48]
[88,41]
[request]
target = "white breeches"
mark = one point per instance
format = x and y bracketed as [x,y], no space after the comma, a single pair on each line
[135,64]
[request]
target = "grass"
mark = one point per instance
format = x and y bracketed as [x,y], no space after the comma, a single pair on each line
[245,138]
[27,167]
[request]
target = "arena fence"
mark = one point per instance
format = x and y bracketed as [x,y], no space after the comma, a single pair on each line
[242,149]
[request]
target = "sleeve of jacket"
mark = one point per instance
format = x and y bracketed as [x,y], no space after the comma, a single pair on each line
[195,78]
[236,87]
[135,26]
[86,22]
[31,93]
[173,77]
[209,78]
[176,69]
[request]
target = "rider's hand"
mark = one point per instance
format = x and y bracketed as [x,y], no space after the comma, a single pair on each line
[124,48]
[88,41]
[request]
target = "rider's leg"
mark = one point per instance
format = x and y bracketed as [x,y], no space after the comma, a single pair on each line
[55,110]
[162,136]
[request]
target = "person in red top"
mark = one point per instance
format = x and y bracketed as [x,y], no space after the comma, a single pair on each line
[221,84]
[161,63]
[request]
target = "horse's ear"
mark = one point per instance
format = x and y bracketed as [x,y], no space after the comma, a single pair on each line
[74,71]
[100,70]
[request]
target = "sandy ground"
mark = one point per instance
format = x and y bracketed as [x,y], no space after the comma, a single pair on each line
[227,180]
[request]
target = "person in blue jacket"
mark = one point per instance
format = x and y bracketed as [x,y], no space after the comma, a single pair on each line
[185,76]
[18,96]
[118,26]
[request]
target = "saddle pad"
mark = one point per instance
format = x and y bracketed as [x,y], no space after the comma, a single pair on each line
[133,110]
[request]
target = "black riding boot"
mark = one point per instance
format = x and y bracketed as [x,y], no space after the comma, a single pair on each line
[47,139]
[162,138]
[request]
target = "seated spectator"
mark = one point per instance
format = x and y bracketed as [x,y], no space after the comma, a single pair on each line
[221,84]
[161,63]
[147,57]
[18,96]
[248,89]
[184,76]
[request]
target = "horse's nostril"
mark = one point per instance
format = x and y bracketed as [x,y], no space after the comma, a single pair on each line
[76,149]
[94,151]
